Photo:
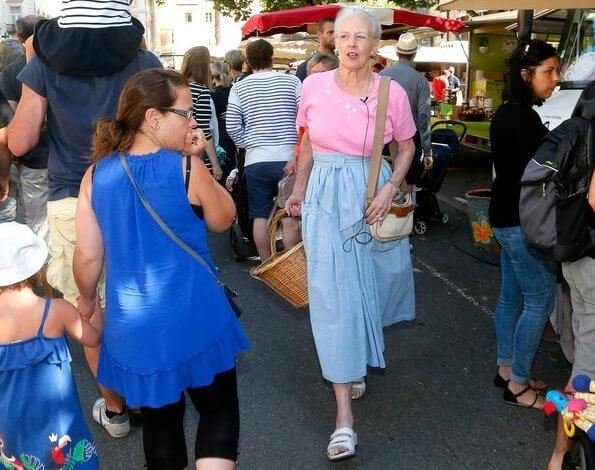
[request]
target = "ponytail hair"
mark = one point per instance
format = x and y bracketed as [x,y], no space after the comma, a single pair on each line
[111,135]
[526,56]
[153,88]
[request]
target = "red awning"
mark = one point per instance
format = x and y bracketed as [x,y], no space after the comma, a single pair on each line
[297,19]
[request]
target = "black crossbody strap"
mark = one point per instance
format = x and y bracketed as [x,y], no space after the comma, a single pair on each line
[177,240]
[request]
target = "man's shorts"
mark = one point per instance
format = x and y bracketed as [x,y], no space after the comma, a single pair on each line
[262,180]
[580,276]
[61,216]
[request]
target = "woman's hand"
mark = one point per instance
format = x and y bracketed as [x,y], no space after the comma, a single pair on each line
[293,204]
[195,142]
[380,206]
[428,162]
[217,171]
[86,307]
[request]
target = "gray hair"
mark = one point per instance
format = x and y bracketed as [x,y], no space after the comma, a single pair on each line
[10,49]
[235,59]
[218,72]
[375,28]
[329,61]
[26,25]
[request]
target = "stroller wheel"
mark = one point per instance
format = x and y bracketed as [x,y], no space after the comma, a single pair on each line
[445,218]
[420,227]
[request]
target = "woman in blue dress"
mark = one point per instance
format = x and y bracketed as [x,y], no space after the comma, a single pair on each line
[169,328]
[41,422]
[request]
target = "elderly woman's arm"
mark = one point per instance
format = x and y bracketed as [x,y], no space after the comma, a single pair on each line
[88,254]
[293,205]
[381,204]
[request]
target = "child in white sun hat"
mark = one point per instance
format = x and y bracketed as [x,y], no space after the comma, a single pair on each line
[41,422]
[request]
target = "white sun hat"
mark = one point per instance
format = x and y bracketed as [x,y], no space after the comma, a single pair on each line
[22,253]
[407,44]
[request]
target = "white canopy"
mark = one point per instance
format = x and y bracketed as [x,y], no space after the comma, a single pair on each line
[450,52]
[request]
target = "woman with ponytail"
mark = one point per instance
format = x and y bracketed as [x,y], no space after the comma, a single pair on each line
[196,67]
[528,278]
[169,328]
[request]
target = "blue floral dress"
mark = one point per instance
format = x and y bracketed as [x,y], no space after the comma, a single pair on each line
[41,421]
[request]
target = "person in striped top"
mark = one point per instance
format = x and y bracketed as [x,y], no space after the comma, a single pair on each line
[196,67]
[261,115]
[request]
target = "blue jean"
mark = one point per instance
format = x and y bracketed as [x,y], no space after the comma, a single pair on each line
[526,301]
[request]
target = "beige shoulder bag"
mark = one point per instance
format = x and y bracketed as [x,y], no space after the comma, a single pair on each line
[398,223]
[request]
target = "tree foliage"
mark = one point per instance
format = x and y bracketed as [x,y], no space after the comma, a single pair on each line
[240,9]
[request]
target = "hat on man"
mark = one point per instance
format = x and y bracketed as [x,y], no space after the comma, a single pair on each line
[22,255]
[407,44]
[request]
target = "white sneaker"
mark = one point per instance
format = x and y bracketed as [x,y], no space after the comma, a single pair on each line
[118,426]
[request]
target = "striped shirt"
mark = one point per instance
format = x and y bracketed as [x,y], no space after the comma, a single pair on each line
[201,108]
[94,14]
[262,110]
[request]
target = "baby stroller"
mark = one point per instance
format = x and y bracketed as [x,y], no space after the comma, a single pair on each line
[582,455]
[240,233]
[446,138]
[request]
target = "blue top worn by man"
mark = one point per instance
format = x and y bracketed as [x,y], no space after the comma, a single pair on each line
[82,59]
[418,92]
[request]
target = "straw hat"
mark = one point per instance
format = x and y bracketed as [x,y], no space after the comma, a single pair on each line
[407,44]
[22,255]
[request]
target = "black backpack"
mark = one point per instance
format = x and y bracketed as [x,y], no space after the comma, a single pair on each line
[555,215]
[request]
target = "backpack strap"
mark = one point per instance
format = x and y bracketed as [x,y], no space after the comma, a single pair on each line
[44,317]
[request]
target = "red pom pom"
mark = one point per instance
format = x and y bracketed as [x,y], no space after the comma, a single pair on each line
[549,408]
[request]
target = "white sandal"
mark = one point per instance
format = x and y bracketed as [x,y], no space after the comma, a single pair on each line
[342,437]
[358,389]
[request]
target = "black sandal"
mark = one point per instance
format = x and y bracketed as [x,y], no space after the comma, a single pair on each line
[501,382]
[511,398]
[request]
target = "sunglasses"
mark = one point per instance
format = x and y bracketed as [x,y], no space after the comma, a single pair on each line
[180,112]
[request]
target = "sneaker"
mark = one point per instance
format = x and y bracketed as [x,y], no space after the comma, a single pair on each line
[118,426]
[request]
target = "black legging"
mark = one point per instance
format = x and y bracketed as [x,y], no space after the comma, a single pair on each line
[218,428]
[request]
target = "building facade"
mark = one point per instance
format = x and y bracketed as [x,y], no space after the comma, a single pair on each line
[11,10]
[171,26]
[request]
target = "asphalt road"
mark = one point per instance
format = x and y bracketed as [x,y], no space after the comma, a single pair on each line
[434,407]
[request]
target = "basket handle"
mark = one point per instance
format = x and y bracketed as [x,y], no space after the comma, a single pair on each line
[275,221]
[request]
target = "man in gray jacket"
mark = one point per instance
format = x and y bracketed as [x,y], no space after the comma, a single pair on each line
[418,92]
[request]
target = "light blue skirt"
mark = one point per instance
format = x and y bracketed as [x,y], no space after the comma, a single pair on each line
[356,285]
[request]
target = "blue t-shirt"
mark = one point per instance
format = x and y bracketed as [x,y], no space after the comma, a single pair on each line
[75,104]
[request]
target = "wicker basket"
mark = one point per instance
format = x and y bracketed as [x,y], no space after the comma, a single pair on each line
[285,272]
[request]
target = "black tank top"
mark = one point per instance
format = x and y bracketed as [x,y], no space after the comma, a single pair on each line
[195,207]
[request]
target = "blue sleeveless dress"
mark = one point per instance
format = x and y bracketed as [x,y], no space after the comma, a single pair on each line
[41,422]
[168,325]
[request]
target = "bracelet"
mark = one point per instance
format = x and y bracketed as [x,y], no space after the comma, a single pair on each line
[394,184]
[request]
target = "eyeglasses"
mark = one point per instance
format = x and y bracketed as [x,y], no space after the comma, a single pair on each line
[187,113]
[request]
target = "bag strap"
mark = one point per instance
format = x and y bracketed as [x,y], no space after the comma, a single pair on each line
[177,240]
[378,142]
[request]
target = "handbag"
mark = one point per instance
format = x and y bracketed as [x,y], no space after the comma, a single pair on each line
[229,294]
[398,223]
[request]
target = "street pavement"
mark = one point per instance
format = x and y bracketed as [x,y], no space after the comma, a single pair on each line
[434,407]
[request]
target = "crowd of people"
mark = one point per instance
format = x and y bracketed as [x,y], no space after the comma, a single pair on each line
[119,178]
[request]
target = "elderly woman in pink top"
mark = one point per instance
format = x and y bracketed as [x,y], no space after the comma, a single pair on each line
[357,285]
